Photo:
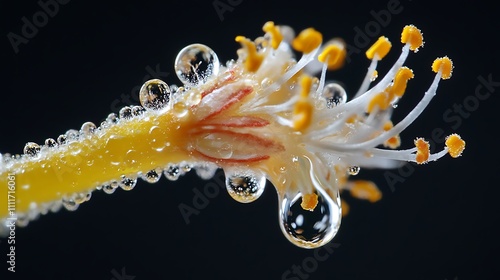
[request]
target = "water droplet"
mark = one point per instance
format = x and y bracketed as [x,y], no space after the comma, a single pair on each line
[88,128]
[22,220]
[206,171]
[185,167]
[56,206]
[127,183]
[195,64]
[70,204]
[72,135]
[61,140]
[126,113]
[138,110]
[245,187]
[353,170]
[152,176]
[82,197]
[50,142]
[112,118]
[31,149]
[173,172]
[180,109]
[310,229]
[154,94]
[335,95]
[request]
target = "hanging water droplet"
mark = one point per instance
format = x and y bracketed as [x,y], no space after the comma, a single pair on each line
[49,142]
[195,64]
[22,219]
[70,204]
[353,170]
[152,176]
[126,113]
[111,188]
[245,187]
[185,167]
[88,128]
[82,197]
[306,228]
[31,149]
[335,95]
[172,172]
[127,183]
[154,94]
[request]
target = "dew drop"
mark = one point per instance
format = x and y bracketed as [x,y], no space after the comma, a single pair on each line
[353,170]
[180,109]
[154,94]
[195,64]
[127,183]
[173,172]
[309,229]
[152,176]
[335,95]
[31,149]
[245,187]
[82,197]
[126,113]
[72,135]
[88,128]
[50,142]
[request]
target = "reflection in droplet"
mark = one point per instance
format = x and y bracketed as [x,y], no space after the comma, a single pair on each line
[353,170]
[172,172]
[195,64]
[127,183]
[152,176]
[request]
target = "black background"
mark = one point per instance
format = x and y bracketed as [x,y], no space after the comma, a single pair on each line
[440,223]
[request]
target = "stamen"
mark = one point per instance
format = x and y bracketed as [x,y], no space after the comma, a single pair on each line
[274,30]
[307,40]
[333,56]
[423,151]
[253,58]
[302,113]
[445,65]
[404,74]
[379,49]
[413,37]
[455,145]
[362,189]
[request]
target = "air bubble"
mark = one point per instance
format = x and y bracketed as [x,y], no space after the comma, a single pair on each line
[31,149]
[127,183]
[245,187]
[334,94]
[195,64]
[154,94]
